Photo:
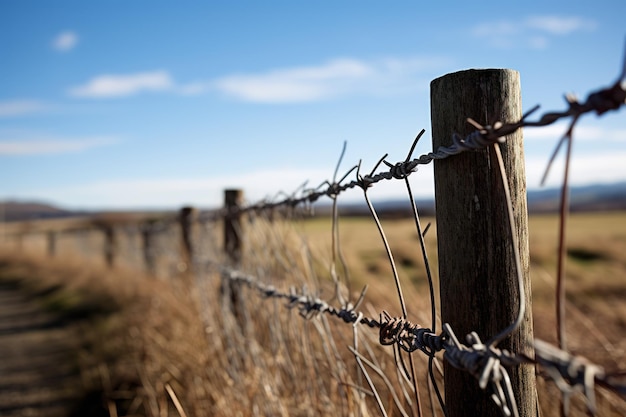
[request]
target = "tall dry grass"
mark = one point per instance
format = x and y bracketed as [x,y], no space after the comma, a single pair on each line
[176,345]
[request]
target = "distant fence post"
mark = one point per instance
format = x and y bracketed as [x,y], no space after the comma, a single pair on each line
[232,225]
[478,281]
[52,243]
[110,245]
[187,219]
[147,240]
[233,200]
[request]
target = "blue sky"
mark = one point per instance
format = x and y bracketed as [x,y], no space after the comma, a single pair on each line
[151,104]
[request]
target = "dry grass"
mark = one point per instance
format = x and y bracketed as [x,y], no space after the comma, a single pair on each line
[174,347]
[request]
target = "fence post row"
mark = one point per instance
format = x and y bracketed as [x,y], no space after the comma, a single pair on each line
[478,280]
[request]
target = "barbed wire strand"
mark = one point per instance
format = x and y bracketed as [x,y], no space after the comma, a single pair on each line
[485,362]
[600,102]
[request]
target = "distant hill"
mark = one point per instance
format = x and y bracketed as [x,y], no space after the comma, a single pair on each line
[28,210]
[600,197]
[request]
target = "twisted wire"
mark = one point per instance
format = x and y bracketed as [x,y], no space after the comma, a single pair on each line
[481,361]
[485,362]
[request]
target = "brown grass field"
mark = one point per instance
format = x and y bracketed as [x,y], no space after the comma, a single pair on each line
[170,345]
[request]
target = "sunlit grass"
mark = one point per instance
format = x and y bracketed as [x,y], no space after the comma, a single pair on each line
[177,331]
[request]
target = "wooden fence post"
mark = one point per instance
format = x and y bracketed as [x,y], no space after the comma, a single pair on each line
[110,245]
[187,218]
[147,243]
[233,200]
[232,225]
[478,281]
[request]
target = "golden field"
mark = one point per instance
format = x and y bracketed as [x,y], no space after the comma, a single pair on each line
[171,345]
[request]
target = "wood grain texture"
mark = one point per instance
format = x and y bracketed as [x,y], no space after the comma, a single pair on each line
[478,281]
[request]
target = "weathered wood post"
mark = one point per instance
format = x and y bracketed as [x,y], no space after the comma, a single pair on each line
[477,272]
[233,200]
[187,220]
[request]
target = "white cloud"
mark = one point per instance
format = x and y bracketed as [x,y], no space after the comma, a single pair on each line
[65,41]
[12,108]
[336,78]
[557,25]
[48,145]
[585,169]
[194,89]
[581,132]
[532,32]
[106,86]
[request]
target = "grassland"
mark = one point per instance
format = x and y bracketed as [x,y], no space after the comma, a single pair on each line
[170,345]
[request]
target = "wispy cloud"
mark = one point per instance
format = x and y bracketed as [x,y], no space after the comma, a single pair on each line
[65,41]
[533,32]
[333,79]
[31,146]
[603,167]
[109,86]
[581,132]
[557,25]
[20,107]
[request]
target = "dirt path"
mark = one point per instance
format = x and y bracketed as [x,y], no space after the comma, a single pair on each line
[38,375]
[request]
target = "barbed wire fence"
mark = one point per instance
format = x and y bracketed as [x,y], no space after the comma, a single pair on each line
[484,360]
